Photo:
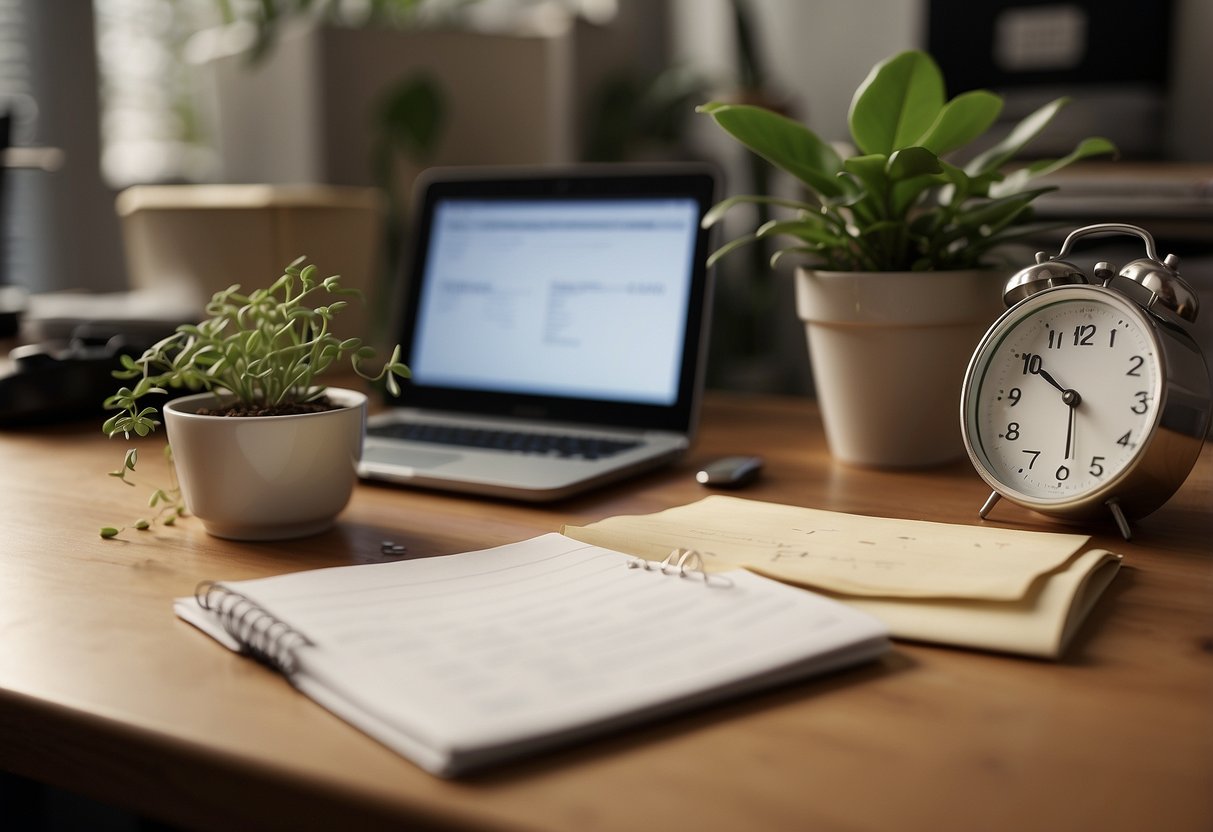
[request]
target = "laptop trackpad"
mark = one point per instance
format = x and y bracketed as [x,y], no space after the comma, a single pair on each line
[411,457]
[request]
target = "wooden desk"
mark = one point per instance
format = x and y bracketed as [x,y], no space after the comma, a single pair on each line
[104,692]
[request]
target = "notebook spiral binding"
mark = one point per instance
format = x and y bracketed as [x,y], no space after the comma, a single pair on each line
[684,563]
[263,636]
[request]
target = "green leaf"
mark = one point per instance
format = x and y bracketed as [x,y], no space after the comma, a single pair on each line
[1023,132]
[808,232]
[1016,181]
[142,525]
[132,456]
[908,191]
[912,170]
[990,217]
[962,120]
[882,227]
[717,211]
[785,143]
[730,247]
[784,252]
[913,161]
[869,171]
[109,531]
[897,103]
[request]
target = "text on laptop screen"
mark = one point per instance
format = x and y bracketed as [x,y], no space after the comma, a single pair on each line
[571,297]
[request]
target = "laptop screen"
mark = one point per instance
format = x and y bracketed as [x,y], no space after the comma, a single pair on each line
[559,296]
[581,298]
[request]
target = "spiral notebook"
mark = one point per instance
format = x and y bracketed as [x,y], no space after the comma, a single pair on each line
[463,661]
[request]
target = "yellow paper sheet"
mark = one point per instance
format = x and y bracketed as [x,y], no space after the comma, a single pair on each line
[844,553]
[1041,624]
[972,586]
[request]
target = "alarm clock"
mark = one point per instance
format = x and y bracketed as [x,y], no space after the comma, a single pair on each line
[1088,395]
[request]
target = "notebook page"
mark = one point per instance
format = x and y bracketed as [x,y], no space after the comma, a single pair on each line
[539,637]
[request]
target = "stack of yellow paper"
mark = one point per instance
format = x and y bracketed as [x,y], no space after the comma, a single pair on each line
[996,589]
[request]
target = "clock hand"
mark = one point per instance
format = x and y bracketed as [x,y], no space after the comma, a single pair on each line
[1070,434]
[1043,373]
[1069,395]
[1072,399]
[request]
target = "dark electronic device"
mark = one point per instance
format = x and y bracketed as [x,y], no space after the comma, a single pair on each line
[730,472]
[58,382]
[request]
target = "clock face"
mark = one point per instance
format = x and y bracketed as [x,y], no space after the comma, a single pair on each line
[1062,395]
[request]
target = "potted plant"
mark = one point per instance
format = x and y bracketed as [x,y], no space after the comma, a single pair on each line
[899,240]
[264,451]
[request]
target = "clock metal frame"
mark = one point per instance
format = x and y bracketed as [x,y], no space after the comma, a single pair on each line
[1167,452]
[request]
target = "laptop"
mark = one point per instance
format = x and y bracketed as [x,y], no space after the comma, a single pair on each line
[555,324]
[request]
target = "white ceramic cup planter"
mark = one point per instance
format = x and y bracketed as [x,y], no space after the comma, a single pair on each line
[889,352]
[266,477]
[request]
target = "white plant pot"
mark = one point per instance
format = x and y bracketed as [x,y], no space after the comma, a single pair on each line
[889,352]
[266,477]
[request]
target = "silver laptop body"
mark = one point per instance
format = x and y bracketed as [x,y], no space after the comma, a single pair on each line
[555,323]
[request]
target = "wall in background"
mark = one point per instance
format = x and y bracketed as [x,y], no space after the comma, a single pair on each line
[1190,113]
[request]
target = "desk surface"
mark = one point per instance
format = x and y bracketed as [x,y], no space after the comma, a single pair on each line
[104,692]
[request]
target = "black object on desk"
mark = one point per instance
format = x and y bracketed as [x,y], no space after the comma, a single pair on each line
[62,381]
[730,472]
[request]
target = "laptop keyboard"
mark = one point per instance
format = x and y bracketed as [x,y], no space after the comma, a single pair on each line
[562,445]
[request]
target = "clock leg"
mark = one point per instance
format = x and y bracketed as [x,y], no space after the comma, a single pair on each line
[1119,516]
[989,504]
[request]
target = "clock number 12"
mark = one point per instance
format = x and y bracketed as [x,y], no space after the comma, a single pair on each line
[1084,335]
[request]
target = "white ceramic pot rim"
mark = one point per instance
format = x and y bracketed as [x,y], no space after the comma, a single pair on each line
[183,407]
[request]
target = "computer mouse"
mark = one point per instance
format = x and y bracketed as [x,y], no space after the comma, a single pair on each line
[730,472]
